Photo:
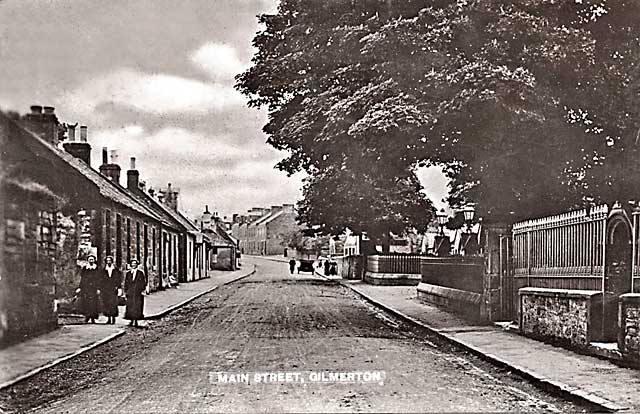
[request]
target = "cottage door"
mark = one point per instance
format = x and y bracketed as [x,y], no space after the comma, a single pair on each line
[617,278]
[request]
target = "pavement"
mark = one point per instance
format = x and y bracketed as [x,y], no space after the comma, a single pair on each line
[584,378]
[25,359]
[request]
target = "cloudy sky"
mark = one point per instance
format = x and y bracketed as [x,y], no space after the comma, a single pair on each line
[154,79]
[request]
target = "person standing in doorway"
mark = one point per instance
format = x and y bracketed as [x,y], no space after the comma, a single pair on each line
[135,284]
[89,292]
[292,265]
[111,283]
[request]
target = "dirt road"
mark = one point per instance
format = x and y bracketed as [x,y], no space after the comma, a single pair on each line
[273,322]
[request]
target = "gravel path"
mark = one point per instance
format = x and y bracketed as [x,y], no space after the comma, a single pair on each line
[275,322]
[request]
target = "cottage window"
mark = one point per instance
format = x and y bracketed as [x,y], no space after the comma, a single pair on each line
[138,241]
[128,240]
[153,246]
[118,240]
[107,222]
[146,245]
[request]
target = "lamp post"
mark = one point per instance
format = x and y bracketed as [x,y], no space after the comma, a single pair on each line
[469,212]
[442,218]
[442,244]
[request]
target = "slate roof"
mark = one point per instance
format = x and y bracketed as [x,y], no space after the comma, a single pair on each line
[273,217]
[219,237]
[177,216]
[106,187]
[267,217]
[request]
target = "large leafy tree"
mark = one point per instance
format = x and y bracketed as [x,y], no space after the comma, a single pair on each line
[529,106]
[352,184]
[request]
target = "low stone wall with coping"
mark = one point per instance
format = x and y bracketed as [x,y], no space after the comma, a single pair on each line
[460,301]
[392,279]
[566,317]
[629,323]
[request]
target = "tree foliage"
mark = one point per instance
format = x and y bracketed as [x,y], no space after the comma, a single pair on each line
[528,106]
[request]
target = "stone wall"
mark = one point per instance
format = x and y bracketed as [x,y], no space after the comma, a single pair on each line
[27,268]
[459,301]
[392,279]
[459,272]
[629,321]
[566,317]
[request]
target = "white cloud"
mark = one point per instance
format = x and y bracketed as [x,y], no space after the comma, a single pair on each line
[152,93]
[218,60]
[209,169]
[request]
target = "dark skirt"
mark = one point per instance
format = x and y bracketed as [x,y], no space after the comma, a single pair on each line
[110,302]
[135,306]
[89,304]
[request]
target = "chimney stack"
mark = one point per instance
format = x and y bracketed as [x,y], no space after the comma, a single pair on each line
[133,177]
[206,218]
[80,150]
[171,197]
[111,171]
[43,124]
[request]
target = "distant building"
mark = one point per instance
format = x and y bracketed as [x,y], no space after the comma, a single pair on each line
[223,252]
[265,231]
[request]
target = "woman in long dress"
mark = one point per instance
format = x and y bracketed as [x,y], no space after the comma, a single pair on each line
[111,282]
[135,284]
[90,290]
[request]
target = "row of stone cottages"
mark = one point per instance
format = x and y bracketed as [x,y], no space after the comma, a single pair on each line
[55,209]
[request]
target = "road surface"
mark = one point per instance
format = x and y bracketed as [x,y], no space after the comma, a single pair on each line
[301,327]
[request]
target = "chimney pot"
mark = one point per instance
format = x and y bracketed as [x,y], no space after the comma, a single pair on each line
[36,109]
[105,157]
[49,109]
[114,156]
[83,133]
[133,163]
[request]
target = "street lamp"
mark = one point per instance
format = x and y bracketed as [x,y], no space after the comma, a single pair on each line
[468,212]
[442,218]
[469,245]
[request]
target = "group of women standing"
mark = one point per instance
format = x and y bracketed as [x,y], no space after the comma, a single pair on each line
[102,285]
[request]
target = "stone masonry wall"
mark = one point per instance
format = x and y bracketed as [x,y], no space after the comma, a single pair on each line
[28,267]
[562,316]
[629,339]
